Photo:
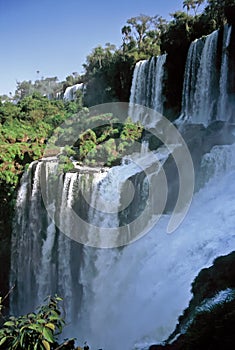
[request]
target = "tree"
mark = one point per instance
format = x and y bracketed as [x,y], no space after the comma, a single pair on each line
[23,89]
[215,11]
[141,25]
[198,3]
[189,4]
[141,35]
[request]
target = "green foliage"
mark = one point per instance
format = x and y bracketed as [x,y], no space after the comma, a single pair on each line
[46,87]
[215,11]
[108,75]
[65,164]
[34,331]
[24,129]
[106,145]
[26,125]
[141,35]
[131,131]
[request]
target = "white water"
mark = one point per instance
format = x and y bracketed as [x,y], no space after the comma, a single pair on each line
[205,93]
[139,292]
[70,92]
[190,77]
[223,296]
[147,87]
[205,98]
[224,110]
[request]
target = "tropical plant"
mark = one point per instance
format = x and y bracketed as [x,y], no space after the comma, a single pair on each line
[34,331]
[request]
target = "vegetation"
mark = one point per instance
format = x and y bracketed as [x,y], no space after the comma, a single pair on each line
[24,129]
[108,70]
[103,145]
[28,119]
[49,87]
[36,330]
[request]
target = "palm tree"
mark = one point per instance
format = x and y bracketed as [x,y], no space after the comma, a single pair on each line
[198,3]
[189,4]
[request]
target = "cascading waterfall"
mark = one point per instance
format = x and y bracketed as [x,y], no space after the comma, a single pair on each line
[190,77]
[146,87]
[205,97]
[139,292]
[41,255]
[159,75]
[224,110]
[24,245]
[199,99]
[127,297]
[205,94]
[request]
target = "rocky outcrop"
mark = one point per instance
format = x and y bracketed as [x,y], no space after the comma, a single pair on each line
[209,321]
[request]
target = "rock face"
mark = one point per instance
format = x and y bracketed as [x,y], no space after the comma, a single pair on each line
[209,321]
[230,14]
[200,140]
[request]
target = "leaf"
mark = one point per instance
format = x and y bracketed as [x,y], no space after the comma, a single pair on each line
[54,318]
[48,335]
[9,323]
[2,341]
[36,327]
[50,325]
[22,340]
[46,345]
[41,321]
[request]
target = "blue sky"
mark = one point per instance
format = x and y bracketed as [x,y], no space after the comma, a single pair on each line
[55,36]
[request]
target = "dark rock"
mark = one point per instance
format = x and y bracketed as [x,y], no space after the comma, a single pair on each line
[230,14]
[213,328]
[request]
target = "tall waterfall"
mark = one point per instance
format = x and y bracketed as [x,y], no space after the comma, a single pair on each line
[224,109]
[190,77]
[131,295]
[147,85]
[41,254]
[205,93]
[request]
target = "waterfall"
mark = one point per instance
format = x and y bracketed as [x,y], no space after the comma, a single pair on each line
[147,86]
[190,76]
[132,294]
[113,296]
[70,92]
[159,75]
[41,254]
[137,293]
[144,147]
[224,110]
[205,97]
[205,92]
